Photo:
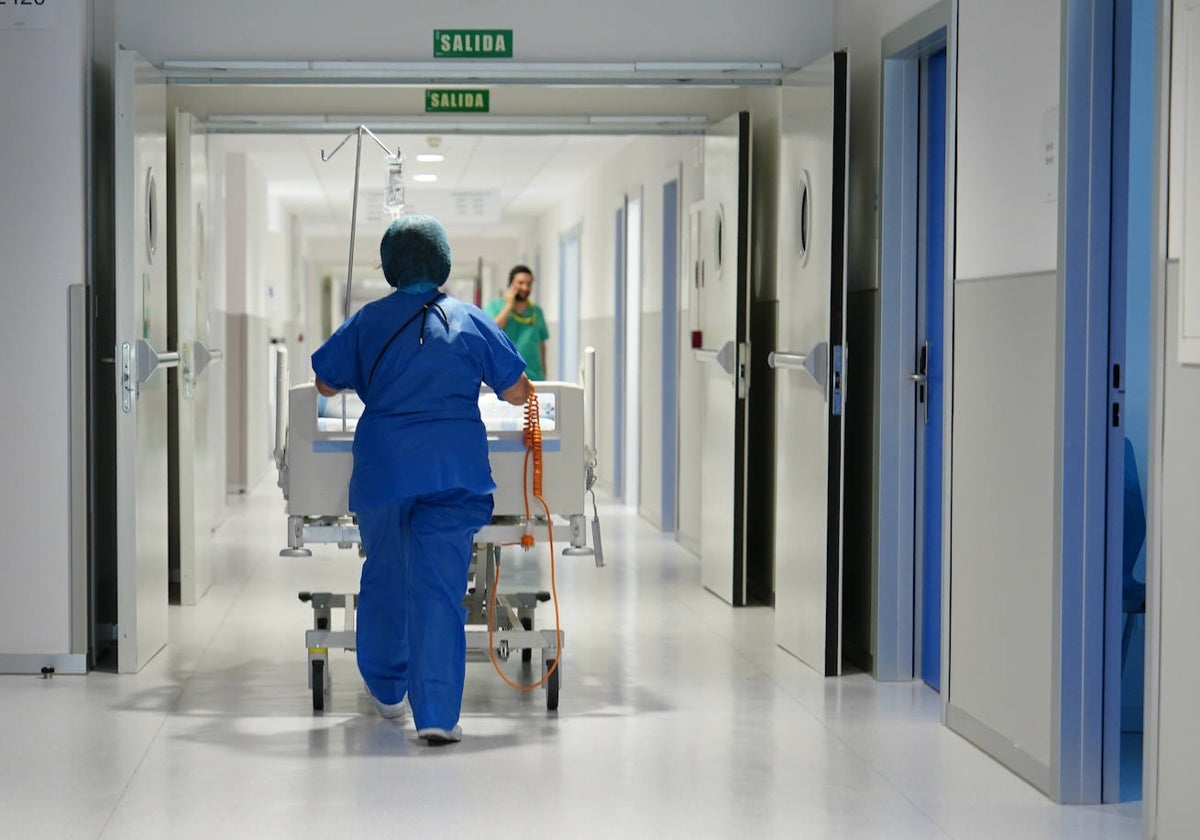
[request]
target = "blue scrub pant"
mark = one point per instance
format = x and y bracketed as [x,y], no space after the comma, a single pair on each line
[411,639]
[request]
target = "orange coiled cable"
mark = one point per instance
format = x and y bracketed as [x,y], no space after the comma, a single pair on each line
[533,451]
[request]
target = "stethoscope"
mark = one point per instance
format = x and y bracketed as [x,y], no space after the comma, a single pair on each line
[423,312]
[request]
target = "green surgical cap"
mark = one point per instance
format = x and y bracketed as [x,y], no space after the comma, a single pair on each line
[415,254]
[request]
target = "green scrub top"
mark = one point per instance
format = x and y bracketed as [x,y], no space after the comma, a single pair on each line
[527,332]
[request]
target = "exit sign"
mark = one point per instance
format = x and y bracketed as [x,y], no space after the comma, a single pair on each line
[457,101]
[472,43]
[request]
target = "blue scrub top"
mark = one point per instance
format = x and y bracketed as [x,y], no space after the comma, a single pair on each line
[421,431]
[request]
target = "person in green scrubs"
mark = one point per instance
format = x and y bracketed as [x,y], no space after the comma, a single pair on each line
[522,320]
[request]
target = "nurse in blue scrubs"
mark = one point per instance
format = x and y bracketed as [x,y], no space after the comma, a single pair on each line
[422,485]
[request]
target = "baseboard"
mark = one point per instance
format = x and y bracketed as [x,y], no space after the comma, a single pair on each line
[33,663]
[999,748]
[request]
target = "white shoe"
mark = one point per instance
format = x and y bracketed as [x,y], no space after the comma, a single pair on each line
[435,736]
[391,711]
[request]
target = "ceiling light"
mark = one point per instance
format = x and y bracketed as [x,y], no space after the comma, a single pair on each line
[425,179]
[431,158]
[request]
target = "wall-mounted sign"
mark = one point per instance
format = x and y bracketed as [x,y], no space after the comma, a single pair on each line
[31,14]
[457,101]
[472,43]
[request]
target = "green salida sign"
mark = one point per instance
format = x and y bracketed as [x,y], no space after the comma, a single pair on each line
[457,101]
[472,43]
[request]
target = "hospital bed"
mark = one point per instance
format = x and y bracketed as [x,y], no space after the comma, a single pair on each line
[313,454]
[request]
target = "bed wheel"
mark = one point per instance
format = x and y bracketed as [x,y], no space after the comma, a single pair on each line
[318,685]
[552,684]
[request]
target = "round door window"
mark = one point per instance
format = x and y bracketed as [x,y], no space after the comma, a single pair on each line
[151,216]
[804,218]
[719,243]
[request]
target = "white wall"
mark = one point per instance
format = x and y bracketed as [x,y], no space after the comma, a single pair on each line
[257,261]
[1178,735]
[1005,343]
[1008,211]
[42,240]
[1174,581]
[643,167]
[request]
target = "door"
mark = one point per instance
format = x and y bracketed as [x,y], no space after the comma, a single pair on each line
[191,443]
[927,378]
[619,389]
[724,309]
[631,377]
[670,353]
[810,364]
[140,319]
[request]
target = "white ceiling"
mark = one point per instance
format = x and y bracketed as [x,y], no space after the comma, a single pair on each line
[520,176]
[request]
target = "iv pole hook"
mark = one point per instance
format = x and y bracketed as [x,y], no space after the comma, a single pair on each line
[359,131]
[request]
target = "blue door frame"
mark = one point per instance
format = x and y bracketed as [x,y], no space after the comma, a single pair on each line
[912,300]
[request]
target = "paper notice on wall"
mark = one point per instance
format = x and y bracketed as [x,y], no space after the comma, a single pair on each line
[27,14]
[1049,156]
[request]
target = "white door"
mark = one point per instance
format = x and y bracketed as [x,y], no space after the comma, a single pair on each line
[193,494]
[140,299]
[810,363]
[724,306]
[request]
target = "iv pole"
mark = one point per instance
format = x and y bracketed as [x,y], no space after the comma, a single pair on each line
[394,168]
[393,160]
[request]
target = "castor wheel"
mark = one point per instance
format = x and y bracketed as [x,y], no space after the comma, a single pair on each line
[552,684]
[318,685]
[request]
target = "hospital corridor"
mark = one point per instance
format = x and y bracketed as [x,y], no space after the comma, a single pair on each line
[647,419]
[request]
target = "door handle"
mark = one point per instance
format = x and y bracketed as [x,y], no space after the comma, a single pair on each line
[815,362]
[726,357]
[921,380]
[196,359]
[139,361]
[149,360]
[202,357]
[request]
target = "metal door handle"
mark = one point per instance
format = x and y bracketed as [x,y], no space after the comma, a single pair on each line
[150,360]
[815,362]
[726,357]
[139,360]
[917,378]
[202,357]
[787,361]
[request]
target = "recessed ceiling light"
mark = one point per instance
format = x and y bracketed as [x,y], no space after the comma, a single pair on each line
[425,179]
[429,158]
